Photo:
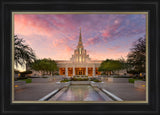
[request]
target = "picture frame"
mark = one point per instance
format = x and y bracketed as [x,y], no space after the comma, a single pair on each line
[10,6]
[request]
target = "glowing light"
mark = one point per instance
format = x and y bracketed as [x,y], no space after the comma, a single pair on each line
[80,50]
[80,59]
[143,85]
[19,75]
[16,86]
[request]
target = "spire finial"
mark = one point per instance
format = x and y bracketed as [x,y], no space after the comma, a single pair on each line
[80,38]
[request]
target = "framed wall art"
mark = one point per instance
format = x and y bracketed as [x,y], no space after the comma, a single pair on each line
[82,57]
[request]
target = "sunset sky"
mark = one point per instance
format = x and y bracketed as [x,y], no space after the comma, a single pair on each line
[56,36]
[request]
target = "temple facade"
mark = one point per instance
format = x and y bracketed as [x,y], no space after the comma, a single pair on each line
[79,64]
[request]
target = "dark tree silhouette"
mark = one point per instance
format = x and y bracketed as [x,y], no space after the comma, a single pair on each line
[23,54]
[137,56]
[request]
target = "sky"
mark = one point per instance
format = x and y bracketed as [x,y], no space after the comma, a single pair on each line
[104,36]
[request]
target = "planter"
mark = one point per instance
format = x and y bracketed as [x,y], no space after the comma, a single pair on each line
[80,82]
[118,80]
[62,84]
[97,84]
[140,84]
[19,84]
[65,84]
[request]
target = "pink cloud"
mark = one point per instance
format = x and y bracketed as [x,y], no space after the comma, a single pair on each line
[57,35]
[58,42]
[113,48]
[105,34]
[28,24]
[92,41]
[69,49]
[108,55]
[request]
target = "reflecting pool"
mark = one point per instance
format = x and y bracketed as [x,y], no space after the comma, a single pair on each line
[80,93]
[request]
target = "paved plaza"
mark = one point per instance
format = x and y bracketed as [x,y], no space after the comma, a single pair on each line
[35,91]
[126,91]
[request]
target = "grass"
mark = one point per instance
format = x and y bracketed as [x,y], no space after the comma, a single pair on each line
[132,80]
[27,80]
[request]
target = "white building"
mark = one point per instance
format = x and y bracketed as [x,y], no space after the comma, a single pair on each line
[80,63]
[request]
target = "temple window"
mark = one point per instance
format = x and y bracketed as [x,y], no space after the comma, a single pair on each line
[80,50]
[77,59]
[80,59]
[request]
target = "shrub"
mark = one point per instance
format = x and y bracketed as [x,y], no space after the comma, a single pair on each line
[27,80]
[133,80]
[96,80]
[79,79]
[56,73]
[65,80]
[92,79]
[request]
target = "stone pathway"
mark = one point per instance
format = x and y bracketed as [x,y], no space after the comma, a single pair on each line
[125,91]
[34,91]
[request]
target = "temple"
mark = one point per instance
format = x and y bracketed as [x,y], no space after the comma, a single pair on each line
[80,63]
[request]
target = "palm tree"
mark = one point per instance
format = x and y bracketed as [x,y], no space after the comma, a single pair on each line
[23,54]
[45,66]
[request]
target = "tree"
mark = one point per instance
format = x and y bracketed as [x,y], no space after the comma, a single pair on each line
[22,53]
[111,65]
[137,56]
[45,66]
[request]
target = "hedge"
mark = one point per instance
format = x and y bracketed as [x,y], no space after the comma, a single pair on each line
[132,80]
[27,80]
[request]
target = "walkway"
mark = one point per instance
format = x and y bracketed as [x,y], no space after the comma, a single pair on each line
[126,91]
[34,91]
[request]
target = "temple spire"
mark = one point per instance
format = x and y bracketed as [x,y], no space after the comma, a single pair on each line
[80,37]
[80,44]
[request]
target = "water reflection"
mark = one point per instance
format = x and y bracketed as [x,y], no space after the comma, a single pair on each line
[80,93]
